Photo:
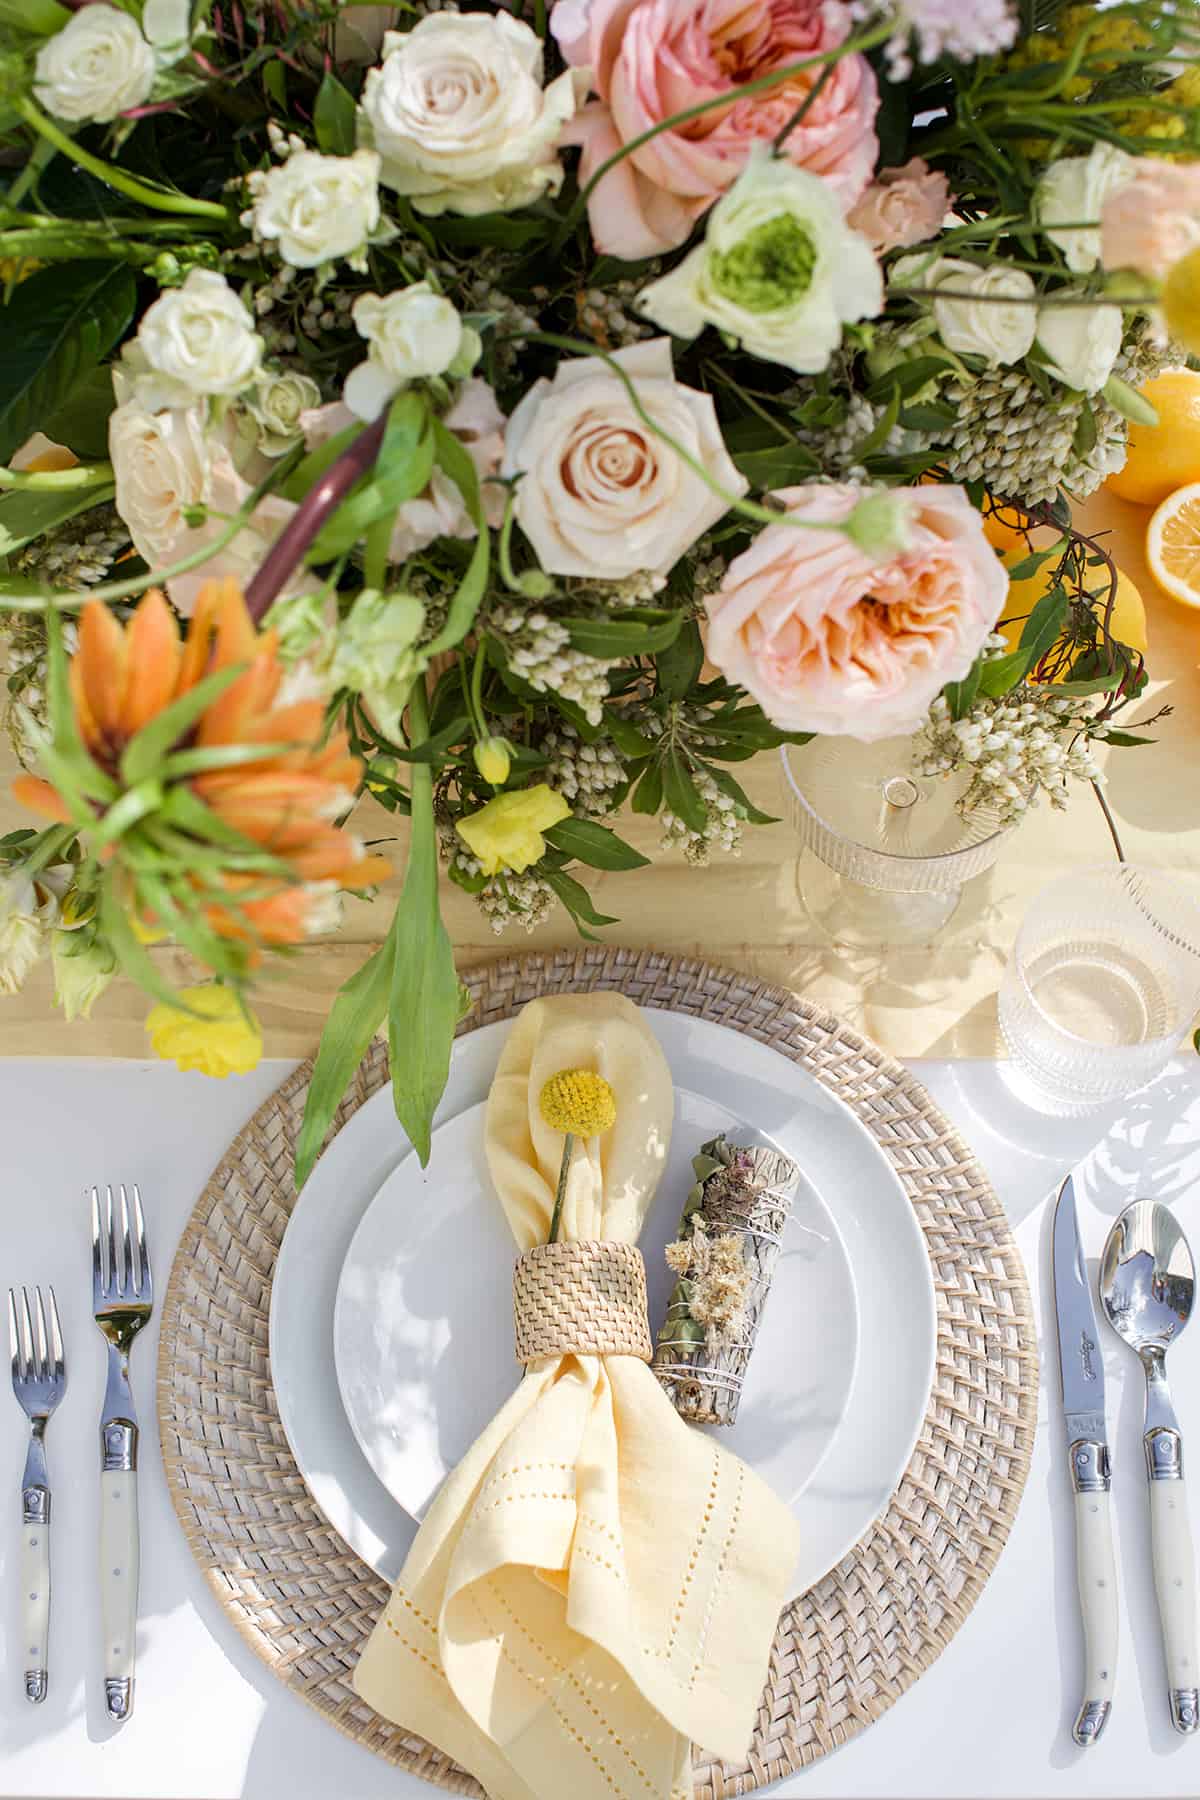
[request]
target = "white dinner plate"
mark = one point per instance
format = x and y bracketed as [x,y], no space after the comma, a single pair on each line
[845,1172]
[423,1331]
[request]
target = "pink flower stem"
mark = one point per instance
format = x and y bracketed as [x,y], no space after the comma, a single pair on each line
[316,507]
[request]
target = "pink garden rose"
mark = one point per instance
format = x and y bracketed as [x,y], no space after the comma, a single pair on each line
[652,58]
[827,639]
[901,207]
[1153,219]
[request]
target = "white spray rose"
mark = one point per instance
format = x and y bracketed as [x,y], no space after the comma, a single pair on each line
[201,337]
[1072,192]
[276,403]
[1082,343]
[97,66]
[779,269]
[167,25]
[412,332]
[319,207]
[973,319]
[601,494]
[22,930]
[459,115]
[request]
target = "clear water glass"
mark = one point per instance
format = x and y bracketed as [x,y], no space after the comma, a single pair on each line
[1103,982]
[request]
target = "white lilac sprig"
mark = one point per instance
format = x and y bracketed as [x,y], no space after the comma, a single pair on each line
[956,30]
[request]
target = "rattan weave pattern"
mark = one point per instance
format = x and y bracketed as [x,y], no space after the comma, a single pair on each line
[586,1296]
[846,1650]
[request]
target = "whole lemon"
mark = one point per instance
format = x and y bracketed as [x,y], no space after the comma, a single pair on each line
[1165,456]
[1181,301]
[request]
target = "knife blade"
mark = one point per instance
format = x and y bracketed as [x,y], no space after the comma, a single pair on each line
[1087,1448]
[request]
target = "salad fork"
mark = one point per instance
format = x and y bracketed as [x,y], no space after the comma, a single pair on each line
[39,1376]
[123,1299]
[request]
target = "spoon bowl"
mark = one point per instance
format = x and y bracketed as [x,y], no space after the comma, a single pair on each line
[1147,1286]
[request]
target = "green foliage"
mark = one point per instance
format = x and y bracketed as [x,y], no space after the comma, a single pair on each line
[53,332]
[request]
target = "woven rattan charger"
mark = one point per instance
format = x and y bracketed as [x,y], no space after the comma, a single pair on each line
[846,1650]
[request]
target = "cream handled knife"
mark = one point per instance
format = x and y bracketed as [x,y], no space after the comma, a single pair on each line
[1087,1440]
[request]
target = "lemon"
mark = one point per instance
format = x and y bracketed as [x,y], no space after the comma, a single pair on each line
[1181,301]
[1173,544]
[1165,456]
[1127,621]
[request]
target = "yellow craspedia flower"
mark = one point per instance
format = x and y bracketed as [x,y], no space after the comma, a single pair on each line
[223,1040]
[578,1101]
[507,832]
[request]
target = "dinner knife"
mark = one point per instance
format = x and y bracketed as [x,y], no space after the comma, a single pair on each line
[1087,1440]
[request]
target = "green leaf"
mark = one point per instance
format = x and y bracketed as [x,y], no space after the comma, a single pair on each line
[1127,739]
[26,514]
[504,231]
[960,695]
[457,464]
[146,749]
[577,901]
[628,738]
[424,999]
[334,117]
[680,792]
[401,471]
[1001,673]
[130,952]
[777,465]
[647,796]
[740,797]
[883,427]
[595,845]
[1129,402]
[638,631]
[679,665]
[1043,627]
[1096,684]
[309,470]
[55,329]
[81,422]
[275,83]
[41,18]
[1029,565]
[908,378]
[1086,434]
[354,1018]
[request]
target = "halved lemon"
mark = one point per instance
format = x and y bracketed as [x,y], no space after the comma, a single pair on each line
[1173,544]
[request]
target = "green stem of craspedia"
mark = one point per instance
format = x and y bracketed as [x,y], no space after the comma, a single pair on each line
[579,1103]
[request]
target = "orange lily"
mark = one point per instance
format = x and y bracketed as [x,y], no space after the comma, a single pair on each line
[285,801]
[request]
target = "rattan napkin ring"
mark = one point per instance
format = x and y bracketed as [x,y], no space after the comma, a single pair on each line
[581,1299]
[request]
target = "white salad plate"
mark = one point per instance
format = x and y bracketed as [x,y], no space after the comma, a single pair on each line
[415,1266]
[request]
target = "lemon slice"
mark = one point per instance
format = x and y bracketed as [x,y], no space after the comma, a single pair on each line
[1173,544]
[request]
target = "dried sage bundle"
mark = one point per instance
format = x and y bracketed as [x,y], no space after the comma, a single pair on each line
[724,1256]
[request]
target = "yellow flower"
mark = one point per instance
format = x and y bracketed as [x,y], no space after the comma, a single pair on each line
[578,1101]
[1181,301]
[507,832]
[493,759]
[224,1040]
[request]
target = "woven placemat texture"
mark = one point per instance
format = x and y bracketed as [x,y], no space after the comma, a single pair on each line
[846,1650]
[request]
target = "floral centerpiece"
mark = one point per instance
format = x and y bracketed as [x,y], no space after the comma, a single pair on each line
[524,412]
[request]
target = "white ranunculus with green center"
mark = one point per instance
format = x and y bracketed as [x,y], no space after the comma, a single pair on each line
[779,270]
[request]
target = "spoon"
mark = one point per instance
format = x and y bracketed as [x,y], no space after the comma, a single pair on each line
[1147,1284]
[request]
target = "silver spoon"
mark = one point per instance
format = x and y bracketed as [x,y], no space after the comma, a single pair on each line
[1147,1284]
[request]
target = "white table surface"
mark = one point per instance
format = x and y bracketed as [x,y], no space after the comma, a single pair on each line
[991,1718]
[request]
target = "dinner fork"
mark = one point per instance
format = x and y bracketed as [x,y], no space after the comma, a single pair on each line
[123,1299]
[39,1376]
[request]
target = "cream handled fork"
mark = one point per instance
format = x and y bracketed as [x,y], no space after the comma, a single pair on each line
[39,1377]
[123,1299]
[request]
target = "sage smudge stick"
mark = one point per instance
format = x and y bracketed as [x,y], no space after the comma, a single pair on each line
[724,1255]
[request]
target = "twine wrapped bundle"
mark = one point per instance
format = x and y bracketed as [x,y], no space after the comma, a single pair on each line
[729,1241]
[595,1584]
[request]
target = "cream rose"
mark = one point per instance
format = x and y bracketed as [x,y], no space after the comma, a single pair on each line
[412,332]
[973,319]
[164,463]
[459,115]
[779,269]
[1082,343]
[277,404]
[829,638]
[319,207]
[201,337]
[1071,194]
[97,66]
[600,493]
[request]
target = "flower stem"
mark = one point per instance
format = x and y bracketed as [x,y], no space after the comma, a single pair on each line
[124,183]
[40,481]
[315,508]
[561,1193]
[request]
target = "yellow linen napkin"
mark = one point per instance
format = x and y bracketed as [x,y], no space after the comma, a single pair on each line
[597,1583]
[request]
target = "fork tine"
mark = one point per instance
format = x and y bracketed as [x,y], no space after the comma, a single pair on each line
[145,1280]
[97,1262]
[127,1274]
[27,1363]
[42,1365]
[14,1343]
[113,1274]
[56,1344]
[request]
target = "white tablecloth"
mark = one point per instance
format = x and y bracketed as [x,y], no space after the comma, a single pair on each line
[991,1718]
